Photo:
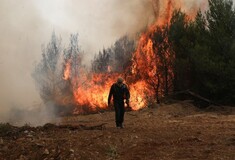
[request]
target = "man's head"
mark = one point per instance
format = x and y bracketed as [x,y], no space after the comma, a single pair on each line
[120,80]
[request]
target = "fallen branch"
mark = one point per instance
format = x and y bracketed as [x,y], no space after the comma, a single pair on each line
[75,127]
[198,99]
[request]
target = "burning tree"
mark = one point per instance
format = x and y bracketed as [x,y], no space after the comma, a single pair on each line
[145,71]
[101,62]
[55,67]
[166,57]
[171,55]
[72,61]
[116,58]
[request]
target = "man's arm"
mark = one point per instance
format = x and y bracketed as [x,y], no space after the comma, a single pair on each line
[110,95]
[127,92]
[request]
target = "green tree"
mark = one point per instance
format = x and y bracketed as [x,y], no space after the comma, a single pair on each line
[213,53]
[219,64]
[220,17]
[182,40]
[199,52]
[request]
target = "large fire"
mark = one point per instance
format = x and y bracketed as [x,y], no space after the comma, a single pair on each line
[143,76]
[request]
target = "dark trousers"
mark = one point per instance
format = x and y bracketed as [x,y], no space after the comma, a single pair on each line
[119,113]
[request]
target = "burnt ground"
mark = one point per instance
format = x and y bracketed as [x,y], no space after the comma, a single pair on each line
[176,131]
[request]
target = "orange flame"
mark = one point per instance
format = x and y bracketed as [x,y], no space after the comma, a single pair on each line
[92,90]
[109,69]
[67,70]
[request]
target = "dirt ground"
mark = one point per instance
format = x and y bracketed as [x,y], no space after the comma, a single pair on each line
[176,131]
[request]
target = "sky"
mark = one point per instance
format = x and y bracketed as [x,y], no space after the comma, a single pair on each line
[26,25]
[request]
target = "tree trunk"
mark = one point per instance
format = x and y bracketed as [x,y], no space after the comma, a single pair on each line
[166,81]
[157,89]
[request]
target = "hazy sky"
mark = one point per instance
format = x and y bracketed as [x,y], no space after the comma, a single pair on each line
[27,24]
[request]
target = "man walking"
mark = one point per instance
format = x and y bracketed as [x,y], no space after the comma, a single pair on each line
[119,92]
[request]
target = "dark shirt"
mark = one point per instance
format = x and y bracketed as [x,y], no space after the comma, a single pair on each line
[119,93]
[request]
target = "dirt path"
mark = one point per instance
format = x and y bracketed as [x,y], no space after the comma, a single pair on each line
[177,131]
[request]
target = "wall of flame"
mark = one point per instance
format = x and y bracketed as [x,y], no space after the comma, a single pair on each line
[93,90]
